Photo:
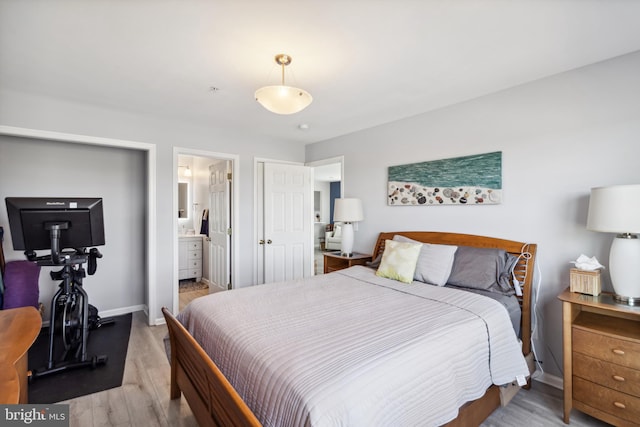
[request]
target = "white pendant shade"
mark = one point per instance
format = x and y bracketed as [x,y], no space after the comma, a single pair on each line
[283,99]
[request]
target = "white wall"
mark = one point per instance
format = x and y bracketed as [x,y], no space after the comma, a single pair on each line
[41,113]
[36,168]
[559,137]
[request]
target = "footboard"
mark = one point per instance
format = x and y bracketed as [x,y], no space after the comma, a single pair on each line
[212,398]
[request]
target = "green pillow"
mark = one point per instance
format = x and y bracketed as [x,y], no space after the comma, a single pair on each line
[399,260]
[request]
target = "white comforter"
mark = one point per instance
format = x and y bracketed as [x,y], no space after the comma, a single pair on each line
[353,349]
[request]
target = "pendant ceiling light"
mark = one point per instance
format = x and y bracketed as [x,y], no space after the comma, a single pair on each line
[283,99]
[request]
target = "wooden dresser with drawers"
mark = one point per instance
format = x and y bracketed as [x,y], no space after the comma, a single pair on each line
[601,341]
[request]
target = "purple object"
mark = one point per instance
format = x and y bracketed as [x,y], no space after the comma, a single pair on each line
[21,284]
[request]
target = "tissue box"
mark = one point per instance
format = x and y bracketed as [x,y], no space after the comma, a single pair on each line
[585,282]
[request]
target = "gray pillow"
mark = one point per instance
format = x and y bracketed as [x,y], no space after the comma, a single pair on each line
[483,268]
[434,263]
[374,263]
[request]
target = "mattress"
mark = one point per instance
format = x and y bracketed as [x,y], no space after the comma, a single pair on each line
[351,348]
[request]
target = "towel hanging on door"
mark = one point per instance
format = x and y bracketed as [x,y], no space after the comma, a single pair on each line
[204,226]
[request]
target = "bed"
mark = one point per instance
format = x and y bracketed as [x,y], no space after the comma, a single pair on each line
[354,348]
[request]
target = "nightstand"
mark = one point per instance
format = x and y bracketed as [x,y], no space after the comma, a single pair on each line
[333,261]
[601,344]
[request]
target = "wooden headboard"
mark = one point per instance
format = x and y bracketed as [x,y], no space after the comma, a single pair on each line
[526,253]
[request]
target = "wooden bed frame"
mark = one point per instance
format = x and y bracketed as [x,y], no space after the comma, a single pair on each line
[215,402]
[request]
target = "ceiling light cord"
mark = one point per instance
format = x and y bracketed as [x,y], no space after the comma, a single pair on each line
[282,74]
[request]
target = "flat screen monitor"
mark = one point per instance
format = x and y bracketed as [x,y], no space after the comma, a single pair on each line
[31,219]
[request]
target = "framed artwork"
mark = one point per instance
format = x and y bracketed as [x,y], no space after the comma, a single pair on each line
[468,180]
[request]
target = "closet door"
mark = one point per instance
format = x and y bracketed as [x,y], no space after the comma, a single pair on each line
[288,222]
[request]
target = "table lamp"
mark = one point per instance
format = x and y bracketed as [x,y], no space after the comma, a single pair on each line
[347,211]
[616,209]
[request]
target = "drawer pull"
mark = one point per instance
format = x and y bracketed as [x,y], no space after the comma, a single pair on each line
[619,405]
[618,378]
[618,352]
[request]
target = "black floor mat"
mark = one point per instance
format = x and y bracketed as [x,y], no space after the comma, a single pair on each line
[111,340]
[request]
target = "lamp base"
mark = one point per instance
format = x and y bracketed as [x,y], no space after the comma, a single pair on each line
[624,269]
[346,248]
[626,300]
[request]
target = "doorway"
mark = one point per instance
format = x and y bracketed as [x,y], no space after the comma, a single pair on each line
[204,217]
[328,185]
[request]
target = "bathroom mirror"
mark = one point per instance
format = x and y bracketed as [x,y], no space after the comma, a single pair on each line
[316,205]
[183,200]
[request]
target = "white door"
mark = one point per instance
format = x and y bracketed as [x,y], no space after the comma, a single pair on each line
[219,224]
[288,222]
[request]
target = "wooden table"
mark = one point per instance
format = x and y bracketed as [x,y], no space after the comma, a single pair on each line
[19,328]
[333,261]
[601,346]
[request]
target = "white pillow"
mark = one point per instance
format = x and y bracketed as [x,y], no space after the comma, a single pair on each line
[434,263]
[337,231]
[399,260]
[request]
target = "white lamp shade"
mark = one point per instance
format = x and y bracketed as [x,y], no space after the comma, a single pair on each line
[615,209]
[283,99]
[347,210]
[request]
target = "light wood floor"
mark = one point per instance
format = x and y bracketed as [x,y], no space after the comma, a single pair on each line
[143,399]
[187,297]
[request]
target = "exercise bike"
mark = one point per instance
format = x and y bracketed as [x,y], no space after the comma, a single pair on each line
[69,306]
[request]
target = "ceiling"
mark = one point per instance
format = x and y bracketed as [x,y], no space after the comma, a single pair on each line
[365,62]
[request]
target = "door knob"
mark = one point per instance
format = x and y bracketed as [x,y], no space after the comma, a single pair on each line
[269,242]
[261,242]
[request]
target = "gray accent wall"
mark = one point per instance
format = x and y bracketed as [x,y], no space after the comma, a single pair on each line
[37,168]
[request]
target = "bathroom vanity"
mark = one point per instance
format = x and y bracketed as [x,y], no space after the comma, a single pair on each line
[190,257]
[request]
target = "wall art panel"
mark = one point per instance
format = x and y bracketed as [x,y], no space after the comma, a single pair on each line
[468,180]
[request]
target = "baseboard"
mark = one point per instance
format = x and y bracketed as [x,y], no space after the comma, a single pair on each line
[112,313]
[122,310]
[550,380]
